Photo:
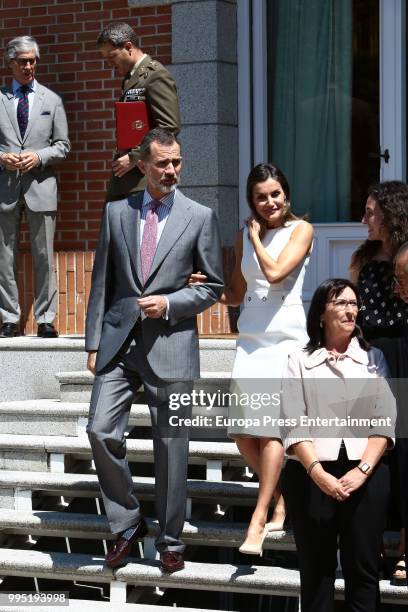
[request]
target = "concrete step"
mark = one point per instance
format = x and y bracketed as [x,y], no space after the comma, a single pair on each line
[46,417]
[197,533]
[92,526]
[77,386]
[84,605]
[83,485]
[261,580]
[54,417]
[136,449]
[40,359]
[40,453]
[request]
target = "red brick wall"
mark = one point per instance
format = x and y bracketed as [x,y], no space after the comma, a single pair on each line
[72,66]
[74,269]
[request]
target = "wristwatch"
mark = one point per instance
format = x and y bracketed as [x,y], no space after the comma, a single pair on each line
[365,468]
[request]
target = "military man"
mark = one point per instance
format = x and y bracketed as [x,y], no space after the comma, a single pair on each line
[144,80]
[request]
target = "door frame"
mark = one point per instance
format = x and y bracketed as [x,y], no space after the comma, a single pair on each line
[393,88]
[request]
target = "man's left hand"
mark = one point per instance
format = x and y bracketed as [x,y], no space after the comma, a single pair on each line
[122,165]
[153,306]
[28,161]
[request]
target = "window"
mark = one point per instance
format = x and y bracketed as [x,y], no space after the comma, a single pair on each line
[323,102]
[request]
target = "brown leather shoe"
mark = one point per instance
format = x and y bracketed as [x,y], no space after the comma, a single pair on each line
[171,561]
[122,547]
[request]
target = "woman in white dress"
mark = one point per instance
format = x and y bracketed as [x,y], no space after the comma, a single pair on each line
[272,253]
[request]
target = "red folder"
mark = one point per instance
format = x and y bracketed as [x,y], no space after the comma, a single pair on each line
[132,123]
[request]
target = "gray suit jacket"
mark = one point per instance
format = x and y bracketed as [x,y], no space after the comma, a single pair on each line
[190,241]
[46,134]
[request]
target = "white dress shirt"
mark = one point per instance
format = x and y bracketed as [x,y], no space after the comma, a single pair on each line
[163,212]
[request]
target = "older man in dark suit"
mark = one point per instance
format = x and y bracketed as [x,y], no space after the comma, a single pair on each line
[33,137]
[144,80]
[141,327]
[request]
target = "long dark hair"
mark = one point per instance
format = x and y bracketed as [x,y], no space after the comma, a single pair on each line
[325,292]
[392,198]
[260,174]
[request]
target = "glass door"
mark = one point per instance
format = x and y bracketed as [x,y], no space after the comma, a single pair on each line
[336,100]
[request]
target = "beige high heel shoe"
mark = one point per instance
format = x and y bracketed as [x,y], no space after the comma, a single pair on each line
[275,525]
[256,547]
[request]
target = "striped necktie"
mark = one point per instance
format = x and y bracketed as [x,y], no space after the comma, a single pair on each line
[22,109]
[149,239]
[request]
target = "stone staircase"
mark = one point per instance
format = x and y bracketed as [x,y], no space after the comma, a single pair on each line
[79,605]
[49,493]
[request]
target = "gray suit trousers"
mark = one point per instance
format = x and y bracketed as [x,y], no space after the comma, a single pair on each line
[42,228]
[113,392]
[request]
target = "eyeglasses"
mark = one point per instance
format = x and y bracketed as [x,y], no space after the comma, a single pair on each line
[22,61]
[342,304]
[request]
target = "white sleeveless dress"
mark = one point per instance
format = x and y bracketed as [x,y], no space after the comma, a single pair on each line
[271,325]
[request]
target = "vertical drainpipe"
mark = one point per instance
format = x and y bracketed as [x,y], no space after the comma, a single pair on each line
[244,57]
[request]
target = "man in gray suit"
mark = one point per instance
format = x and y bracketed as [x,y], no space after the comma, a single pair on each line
[33,137]
[141,328]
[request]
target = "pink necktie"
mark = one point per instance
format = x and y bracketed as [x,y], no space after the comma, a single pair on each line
[149,239]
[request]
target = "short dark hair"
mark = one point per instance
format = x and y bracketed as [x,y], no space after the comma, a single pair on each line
[329,289]
[160,135]
[117,33]
[260,174]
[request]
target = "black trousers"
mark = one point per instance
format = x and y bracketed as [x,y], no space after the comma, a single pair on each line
[322,524]
[402,450]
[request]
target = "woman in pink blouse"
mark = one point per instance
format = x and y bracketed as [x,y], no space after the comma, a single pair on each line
[335,483]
